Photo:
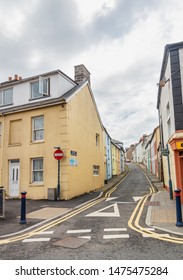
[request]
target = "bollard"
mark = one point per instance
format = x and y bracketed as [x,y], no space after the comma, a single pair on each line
[23,208]
[179,222]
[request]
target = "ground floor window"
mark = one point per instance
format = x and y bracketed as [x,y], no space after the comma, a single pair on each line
[37,170]
[96,170]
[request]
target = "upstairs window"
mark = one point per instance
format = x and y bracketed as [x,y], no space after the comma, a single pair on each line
[40,88]
[6,96]
[97,140]
[38,128]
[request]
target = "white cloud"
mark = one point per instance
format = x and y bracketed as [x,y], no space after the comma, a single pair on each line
[121,42]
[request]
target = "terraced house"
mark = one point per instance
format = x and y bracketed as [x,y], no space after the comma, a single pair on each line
[170,107]
[41,113]
[46,111]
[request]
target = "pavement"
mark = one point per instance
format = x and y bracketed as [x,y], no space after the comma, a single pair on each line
[161,212]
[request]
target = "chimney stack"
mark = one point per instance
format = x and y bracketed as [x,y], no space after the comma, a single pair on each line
[81,74]
[10,79]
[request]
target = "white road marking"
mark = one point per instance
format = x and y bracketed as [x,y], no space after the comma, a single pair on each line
[161,235]
[151,229]
[102,213]
[136,198]
[114,236]
[78,230]
[111,198]
[36,240]
[115,229]
[45,232]
[87,237]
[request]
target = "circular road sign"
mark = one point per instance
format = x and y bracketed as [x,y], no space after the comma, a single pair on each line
[58,154]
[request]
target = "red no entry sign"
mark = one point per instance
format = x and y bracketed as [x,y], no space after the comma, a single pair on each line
[58,154]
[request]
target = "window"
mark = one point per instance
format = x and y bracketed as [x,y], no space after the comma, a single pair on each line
[40,88]
[37,170]
[6,96]
[38,128]
[97,140]
[96,170]
[168,120]
[15,132]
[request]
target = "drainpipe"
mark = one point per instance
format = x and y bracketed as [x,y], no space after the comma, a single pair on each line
[2,147]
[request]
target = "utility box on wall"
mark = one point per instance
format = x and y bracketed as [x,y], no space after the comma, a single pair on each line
[2,203]
[52,193]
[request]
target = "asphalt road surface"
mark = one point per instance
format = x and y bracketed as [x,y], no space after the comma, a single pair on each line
[100,232]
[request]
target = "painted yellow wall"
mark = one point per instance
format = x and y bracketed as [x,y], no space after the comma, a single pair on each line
[83,126]
[114,161]
[26,150]
[72,126]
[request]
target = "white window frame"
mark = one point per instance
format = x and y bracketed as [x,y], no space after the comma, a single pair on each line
[34,181]
[3,97]
[42,90]
[34,130]
[96,170]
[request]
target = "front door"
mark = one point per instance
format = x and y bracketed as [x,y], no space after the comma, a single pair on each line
[14,174]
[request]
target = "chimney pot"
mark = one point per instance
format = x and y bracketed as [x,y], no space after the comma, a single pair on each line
[10,79]
[16,77]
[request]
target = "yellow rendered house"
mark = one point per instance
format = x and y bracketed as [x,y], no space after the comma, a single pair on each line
[40,113]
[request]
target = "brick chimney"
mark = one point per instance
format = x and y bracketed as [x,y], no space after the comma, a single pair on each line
[81,74]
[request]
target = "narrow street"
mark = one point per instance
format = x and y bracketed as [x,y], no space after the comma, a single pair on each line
[101,232]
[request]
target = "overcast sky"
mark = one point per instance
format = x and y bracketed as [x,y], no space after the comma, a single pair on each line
[121,43]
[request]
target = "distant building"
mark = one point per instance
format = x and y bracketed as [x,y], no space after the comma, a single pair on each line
[170,107]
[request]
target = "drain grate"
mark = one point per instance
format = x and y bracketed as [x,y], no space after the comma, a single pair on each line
[71,242]
[152,203]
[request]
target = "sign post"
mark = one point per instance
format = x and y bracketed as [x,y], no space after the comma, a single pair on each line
[58,155]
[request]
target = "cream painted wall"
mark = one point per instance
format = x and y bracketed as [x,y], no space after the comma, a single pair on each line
[72,126]
[83,126]
[27,150]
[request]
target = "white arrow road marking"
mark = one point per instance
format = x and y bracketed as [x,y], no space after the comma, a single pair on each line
[111,198]
[136,198]
[102,213]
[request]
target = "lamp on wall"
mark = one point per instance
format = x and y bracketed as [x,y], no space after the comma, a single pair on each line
[163,81]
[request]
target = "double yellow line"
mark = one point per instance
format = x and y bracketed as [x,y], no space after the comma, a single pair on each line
[53,223]
[134,220]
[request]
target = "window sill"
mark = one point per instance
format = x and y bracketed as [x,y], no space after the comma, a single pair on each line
[5,105]
[37,184]
[37,142]
[13,145]
[38,98]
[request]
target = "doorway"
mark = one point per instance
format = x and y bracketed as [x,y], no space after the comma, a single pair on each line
[14,175]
